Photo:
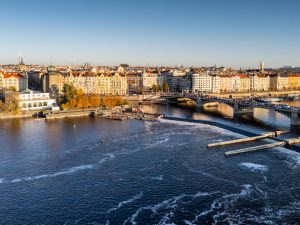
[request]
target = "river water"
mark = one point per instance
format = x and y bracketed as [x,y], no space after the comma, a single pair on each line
[133,172]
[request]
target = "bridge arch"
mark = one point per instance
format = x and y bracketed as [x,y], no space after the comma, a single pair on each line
[285,113]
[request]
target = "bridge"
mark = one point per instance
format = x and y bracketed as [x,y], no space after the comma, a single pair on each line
[241,107]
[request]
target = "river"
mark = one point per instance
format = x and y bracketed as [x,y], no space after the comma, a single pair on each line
[133,172]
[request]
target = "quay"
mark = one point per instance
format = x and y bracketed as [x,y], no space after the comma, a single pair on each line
[133,116]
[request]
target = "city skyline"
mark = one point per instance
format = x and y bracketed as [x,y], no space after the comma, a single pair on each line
[198,33]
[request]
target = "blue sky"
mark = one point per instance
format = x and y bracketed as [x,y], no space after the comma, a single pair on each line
[236,33]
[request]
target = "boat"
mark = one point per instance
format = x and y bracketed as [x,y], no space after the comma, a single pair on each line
[269,100]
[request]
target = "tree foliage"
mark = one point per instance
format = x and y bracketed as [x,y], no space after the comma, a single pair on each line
[156,88]
[76,98]
[69,93]
[165,86]
[12,106]
[112,101]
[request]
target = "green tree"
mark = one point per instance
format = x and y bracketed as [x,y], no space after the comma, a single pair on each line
[155,88]
[165,86]
[69,92]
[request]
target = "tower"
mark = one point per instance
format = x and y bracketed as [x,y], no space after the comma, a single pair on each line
[261,66]
[20,59]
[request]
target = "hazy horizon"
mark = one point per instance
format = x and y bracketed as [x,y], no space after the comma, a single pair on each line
[234,33]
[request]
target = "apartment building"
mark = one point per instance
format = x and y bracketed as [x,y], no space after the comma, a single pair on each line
[245,83]
[15,81]
[260,82]
[294,81]
[215,84]
[1,81]
[279,82]
[90,83]
[150,79]
[134,82]
[201,83]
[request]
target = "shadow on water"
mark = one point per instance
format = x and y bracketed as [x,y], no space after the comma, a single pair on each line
[262,118]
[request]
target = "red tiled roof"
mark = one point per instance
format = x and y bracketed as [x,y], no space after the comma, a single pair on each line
[294,75]
[16,75]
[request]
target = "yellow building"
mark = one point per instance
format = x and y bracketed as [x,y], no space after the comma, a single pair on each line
[245,83]
[226,83]
[1,81]
[90,83]
[229,83]
[260,82]
[294,81]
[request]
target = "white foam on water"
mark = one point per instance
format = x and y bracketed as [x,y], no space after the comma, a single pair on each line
[223,203]
[66,171]
[167,204]
[126,202]
[2,180]
[166,218]
[292,156]
[206,126]
[63,172]
[253,167]
[218,210]
[159,178]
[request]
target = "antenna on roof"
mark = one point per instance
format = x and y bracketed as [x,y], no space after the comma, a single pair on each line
[51,60]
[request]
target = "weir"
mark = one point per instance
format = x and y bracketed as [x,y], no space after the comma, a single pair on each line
[248,139]
[242,140]
[287,142]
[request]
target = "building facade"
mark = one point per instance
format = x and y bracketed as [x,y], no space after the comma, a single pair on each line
[150,79]
[30,100]
[1,82]
[15,81]
[260,82]
[201,83]
[294,81]
[90,83]
[245,83]
[279,82]
[215,84]
[134,81]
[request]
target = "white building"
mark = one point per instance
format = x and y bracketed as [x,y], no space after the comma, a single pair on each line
[215,84]
[201,83]
[150,79]
[32,100]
